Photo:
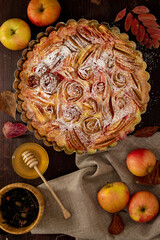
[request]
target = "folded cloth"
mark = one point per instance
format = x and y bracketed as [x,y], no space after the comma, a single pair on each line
[78,192]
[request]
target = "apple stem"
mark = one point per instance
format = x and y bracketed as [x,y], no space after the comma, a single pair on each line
[41,8]
[12,31]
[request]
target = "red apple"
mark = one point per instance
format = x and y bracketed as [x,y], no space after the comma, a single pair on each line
[15,34]
[113,197]
[143,206]
[43,12]
[140,162]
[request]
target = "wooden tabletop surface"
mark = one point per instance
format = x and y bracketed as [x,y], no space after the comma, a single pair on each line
[60,163]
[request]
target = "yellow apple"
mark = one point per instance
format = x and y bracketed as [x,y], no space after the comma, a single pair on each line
[113,197]
[15,34]
[43,12]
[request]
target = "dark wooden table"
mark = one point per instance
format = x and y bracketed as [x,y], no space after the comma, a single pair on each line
[60,163]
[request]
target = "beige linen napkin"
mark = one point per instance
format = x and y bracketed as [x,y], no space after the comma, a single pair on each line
[78,192]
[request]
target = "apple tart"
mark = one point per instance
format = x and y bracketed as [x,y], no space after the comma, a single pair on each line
[82,86]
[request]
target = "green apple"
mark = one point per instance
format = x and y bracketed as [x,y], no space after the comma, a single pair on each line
[15,34]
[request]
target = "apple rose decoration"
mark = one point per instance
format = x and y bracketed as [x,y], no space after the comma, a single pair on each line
[72,91]
[119,79]
[49,83]
[114,197]
[90,105]
[91,125]
[71,113]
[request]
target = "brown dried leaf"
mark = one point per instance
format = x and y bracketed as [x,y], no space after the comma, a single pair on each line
[128,21]
[146,16]
[116,226]
[120,15]
[135,26]
[9,103]
[1,102]
[140,10]
[153,178]
[146,131]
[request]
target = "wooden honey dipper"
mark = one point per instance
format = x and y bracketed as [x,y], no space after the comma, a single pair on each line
[32,162]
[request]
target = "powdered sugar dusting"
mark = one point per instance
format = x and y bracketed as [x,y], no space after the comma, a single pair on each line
[58,55]
[90,89]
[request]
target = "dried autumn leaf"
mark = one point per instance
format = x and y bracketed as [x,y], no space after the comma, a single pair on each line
[116,226]
[149,44]
[145,40]
[150,24]
[146,16]
[146,131]
[153,30]
[153,178]
[9,103]
[98,2]
[120,15]
[140,34]
[128,21]
[155,36]
[155,43]
[143,26]
[11,130]
[135,26]
[1,102]
[140,10]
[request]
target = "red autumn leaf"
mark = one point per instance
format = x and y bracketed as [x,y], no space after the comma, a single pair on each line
[11,130]
[145,40]
[155,43]
[128,21]
[135,26]
[120,15]
[155,36]
[146,16]
[153,30]
[150,24]
[141,33]
[143,26]
[146,131]
[140,9]
[149,44]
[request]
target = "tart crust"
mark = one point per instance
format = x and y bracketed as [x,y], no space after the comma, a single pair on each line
[81,86]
